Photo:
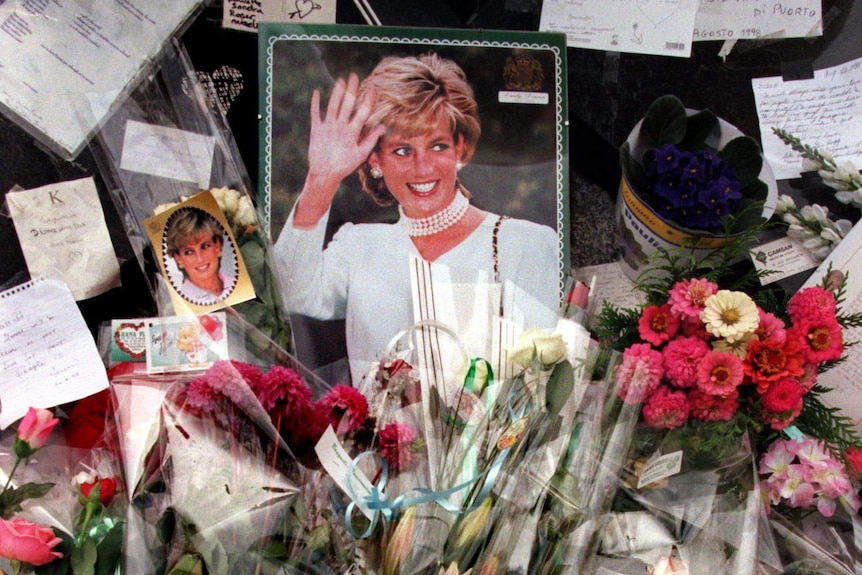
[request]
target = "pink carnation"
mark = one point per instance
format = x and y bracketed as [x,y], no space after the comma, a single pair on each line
[666,408]
[770,328]
[639,373]
[283,388]
[224,378]
[201,396]
[814,303]
[719,373]
[681,358]
[344,407]
[396,446]
[687,297]
[821,340]
[657,324]
[707,407]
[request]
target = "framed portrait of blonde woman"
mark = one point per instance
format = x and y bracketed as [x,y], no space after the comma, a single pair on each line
[397,163]
[198,256]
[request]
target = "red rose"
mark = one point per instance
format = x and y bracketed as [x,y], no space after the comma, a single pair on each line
[107,489]
[87,418]
[28,542]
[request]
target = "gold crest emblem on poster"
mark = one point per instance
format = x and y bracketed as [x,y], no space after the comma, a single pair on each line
[523,73]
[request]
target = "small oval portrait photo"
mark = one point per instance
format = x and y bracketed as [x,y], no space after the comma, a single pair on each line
[200,258]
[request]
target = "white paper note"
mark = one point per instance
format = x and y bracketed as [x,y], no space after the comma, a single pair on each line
[62,230]
[63,64]
[662,27]
[247,14]
[168,152]
[824,112]
[47,355]
[750,19]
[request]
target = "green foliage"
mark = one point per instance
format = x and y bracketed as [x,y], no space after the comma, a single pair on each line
[12,498]
[827,423]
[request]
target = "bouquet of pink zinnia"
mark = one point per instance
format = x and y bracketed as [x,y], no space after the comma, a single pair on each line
[707,354]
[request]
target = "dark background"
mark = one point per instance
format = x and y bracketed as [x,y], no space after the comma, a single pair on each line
[607,93]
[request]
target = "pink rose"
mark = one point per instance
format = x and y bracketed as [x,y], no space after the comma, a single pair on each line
[33,431]
[28,542]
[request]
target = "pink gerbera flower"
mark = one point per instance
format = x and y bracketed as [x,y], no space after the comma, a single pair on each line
[707,407]
[344,407]
[284,389]
[719,373]
[821,340]
[770,328]
[657,324]
[812,303]
[687,297]
[396,446]
[639,373]
[681,358]
[666,408]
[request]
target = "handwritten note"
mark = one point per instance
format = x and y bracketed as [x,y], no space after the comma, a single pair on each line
[750,19]
[247,14]
[62,231]
[47,355]
[662,27]
[825,112]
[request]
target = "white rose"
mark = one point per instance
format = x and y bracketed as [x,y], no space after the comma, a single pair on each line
[164,207]
[245,213]
[228,200]
[536,343]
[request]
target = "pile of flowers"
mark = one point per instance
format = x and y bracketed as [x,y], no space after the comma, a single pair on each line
[675,166]
[708,353]
[91,542]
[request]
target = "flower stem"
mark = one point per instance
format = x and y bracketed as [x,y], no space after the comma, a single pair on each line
[11,473]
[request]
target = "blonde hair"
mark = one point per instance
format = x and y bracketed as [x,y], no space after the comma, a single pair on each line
[187,223]
[412,94]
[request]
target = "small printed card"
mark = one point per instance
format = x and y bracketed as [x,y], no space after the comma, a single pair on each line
[785,257]
[183,343]
[660,468]
[336,461]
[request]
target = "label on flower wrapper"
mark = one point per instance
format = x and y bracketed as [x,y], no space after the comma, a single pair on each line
[337,462]
[660,468]
[785,257]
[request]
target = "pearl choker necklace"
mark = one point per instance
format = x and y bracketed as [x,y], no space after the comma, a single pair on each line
[436,223]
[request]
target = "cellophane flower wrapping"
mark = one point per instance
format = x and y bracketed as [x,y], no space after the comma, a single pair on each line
[73,455]
[171,114]
[216,461]
[734,448]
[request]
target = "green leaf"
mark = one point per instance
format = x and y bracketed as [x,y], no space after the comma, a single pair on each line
[59,566]
[699,127]
[664,122]
[743,155]
[189,564]
[10,501]
[559,387]
[110,550]
[84,558]
[632,169]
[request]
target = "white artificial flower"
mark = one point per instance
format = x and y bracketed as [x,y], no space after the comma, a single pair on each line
[785,204]
[815,212]
[853,198]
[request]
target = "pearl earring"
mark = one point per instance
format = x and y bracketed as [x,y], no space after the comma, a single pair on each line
[458,166]
[376,172]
